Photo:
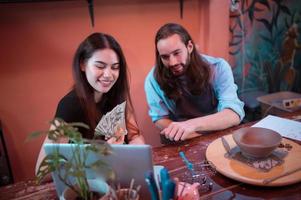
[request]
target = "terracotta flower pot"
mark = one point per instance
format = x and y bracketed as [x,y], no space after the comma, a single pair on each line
[99,187]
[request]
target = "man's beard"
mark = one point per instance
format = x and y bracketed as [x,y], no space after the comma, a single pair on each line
[180,69]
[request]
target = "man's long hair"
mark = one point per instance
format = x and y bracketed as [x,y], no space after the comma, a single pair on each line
[116,95]
[198,71]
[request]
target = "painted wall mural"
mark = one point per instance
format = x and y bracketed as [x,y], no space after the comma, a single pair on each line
[265,45]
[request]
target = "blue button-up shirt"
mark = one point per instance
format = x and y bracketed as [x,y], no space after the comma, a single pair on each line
[160,106]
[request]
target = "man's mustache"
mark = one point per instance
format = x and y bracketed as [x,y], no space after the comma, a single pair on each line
[172,66]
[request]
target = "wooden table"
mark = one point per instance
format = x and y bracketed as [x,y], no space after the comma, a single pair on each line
[28,190]
[223,187]
[168,156]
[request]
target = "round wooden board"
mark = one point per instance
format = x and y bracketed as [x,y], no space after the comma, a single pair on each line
[246,174]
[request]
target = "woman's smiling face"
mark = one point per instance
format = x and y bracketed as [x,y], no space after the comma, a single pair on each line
[102,70]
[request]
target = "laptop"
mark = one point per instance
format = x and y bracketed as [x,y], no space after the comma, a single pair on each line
[128,162]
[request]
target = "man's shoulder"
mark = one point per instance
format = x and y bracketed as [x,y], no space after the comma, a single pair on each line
[217,65]
[150,77]
[151,72]
[151,85]
[212,60]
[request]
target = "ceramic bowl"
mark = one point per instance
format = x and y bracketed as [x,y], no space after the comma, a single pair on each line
[256,142]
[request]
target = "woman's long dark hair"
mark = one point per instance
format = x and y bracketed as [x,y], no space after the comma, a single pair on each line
[198,71]
[116,95]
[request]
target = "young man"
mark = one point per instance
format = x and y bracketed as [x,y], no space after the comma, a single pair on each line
[189,93]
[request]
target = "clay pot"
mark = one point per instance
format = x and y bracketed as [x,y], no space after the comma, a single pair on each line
[99,187]
[256,142]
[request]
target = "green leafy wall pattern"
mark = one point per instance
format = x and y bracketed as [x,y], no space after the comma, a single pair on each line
[265,45]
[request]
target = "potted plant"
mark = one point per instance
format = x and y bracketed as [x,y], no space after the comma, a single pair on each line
[77,163]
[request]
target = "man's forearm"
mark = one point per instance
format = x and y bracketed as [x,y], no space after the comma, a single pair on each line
[217,121]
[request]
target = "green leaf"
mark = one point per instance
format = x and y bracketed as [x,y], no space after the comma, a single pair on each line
[237,36]
[266,23]
[251,14]
[235,51]
[79,124]
[49,164]
[239,22]
[235,43]
[231,29]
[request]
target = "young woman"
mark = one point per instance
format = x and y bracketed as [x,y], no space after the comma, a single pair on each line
[100,83]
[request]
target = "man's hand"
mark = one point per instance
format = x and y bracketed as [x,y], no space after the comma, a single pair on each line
[178,130]
[190,128]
